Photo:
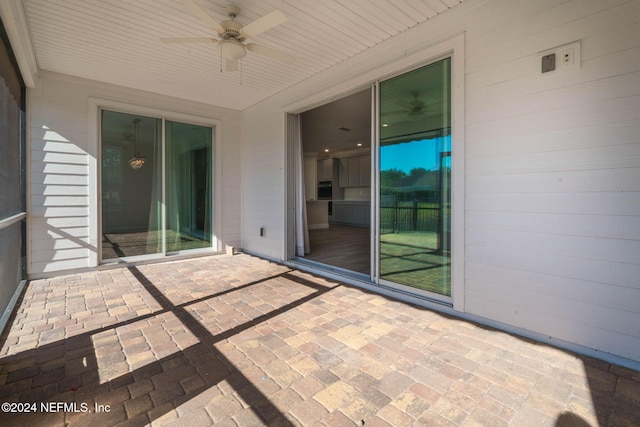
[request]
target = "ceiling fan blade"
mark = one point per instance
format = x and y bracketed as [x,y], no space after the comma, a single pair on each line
[271,53]
[189,40]
[232,65]
[203,15]
[265,23]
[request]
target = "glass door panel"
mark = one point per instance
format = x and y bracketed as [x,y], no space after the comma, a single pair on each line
[414,177]
[131,185]
[188,186]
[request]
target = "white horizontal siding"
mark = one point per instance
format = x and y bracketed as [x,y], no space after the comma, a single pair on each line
[50,267]
[559,315]
[608,226]
[262,186]
[497,278]
[61,230]
[58,178]
[231,186]
[615,273]
[42,252]
[604,180]
[552,164]
[584,203]
[553,176]
[609,157]
[576,246]
[61,190]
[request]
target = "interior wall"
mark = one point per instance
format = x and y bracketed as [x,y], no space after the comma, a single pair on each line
[60,233]
[552,175]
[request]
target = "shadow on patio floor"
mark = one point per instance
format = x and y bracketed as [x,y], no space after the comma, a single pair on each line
[241,341]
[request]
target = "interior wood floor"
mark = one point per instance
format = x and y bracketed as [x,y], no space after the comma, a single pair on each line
[406,258]
[341,246]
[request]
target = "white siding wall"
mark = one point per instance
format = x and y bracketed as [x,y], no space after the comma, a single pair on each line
[263,196]
[61,235]
[552,167]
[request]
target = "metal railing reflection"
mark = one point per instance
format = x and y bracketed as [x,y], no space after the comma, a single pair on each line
[403,216]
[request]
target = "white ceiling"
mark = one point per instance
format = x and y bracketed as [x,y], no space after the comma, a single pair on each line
[118,42]
[338,126]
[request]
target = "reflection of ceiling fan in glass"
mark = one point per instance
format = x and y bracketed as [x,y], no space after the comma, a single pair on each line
[413,110]
[232,35]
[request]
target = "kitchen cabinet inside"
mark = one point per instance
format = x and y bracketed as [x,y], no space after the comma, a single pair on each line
[352,212]
[325,170]
[355,171]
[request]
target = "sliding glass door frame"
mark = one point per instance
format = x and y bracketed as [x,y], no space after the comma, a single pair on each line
[376,144]
[452,48]
[95,146]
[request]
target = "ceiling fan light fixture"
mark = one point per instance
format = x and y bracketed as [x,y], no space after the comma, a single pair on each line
[232,49]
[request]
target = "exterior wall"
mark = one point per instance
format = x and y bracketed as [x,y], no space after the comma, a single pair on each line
[263,196]
[62,231]
[552,164]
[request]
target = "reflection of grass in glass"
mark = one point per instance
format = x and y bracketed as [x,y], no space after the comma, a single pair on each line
[410,259]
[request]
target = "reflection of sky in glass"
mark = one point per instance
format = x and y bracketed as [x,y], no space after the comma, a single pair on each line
[424,153]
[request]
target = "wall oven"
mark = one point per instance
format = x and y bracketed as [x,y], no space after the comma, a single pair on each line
[325,190]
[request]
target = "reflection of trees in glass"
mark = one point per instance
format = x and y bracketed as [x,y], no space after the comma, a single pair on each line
[389,177]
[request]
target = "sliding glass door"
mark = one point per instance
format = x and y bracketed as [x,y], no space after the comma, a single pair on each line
[131,185]
[156,186]
[188,191]
[414,179]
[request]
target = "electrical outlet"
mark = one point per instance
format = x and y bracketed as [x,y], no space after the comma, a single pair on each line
[567,58]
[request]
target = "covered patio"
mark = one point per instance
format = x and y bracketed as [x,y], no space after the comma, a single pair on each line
[238,340]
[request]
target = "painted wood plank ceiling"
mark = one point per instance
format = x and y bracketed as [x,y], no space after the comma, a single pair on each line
[119,42]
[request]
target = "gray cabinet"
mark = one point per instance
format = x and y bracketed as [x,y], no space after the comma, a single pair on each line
[364,169]
[325,170]
[351,212]
[355,172]
[343,173]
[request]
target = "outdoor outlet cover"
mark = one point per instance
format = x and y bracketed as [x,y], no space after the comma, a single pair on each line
[548,62]
[560,59]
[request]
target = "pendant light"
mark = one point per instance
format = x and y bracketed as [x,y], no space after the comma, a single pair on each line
[137,161]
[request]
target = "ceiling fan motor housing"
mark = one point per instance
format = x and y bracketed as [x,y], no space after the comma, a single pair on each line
[231,31]
[231,46]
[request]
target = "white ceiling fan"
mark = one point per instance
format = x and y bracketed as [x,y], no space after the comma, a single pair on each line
[232,35]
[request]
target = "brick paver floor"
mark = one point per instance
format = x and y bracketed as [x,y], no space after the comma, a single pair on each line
[240,341]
